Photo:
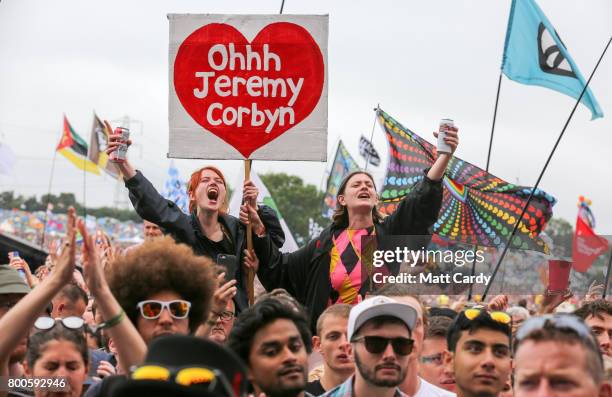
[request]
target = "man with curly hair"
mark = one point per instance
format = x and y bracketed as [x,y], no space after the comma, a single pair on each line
[163,288]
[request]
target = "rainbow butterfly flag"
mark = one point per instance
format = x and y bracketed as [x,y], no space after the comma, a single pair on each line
[477,207]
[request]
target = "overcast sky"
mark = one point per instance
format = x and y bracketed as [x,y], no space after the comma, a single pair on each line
[420,60]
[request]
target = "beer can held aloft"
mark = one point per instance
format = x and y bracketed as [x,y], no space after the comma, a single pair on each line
[444,147]
[120,154]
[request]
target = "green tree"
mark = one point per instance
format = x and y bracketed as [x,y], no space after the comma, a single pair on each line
[296,201]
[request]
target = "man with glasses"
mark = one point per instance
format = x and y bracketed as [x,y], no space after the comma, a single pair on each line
[557,355]
[380,331]
[12,289]
[221,323]
[432,368]
[480,355]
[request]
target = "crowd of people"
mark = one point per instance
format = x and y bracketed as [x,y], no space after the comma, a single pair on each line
[172,317]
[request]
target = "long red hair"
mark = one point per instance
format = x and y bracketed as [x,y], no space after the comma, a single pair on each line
[194,182]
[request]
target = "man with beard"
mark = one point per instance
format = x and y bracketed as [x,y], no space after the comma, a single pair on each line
[479,345]
[273,339]
[12,289]
[333,345]
[414,385]
[380,331]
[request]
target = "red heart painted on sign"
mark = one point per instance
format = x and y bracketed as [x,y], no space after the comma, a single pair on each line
[244,118]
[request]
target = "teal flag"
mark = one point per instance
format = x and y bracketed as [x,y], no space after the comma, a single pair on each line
[534,54]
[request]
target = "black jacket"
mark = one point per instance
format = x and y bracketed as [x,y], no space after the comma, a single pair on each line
[305,272]
[150,205]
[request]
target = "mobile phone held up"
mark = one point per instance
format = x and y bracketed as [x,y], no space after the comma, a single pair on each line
[230,265]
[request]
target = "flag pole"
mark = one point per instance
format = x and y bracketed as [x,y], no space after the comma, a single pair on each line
[607,277]
[249,236]
[518,221]
[42,241]
[372,134]
[486,170]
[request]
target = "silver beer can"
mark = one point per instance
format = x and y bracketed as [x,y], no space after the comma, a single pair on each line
[120,154]
[444,147]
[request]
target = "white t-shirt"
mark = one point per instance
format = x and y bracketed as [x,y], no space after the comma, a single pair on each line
[426,389]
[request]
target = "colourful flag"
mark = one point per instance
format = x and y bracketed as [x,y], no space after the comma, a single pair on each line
[74,148]
[342,166]
[477,207]
[98,143]
[175,189]
[587,245]
[534,54]
[266,198]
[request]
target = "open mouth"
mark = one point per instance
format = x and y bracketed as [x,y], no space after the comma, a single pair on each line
[364,195]
[213,193]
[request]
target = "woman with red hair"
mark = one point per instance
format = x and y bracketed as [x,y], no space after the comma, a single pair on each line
[209,230]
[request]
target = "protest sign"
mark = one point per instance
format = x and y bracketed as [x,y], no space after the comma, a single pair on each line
[248,87]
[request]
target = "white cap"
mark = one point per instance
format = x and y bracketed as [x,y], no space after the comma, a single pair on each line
[376,307]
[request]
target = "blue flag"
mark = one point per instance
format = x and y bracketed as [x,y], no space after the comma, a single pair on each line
[176,190]
[534,54]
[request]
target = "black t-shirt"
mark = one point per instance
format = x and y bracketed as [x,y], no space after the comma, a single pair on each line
[315,388]
[225,246]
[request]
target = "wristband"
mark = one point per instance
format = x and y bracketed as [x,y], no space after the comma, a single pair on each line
[113,321]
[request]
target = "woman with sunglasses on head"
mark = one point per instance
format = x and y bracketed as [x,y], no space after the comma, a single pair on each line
[328,269]
[56,352]
[209,229]
[58,349]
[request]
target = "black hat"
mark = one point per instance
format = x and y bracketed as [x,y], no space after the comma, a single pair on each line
[179,351]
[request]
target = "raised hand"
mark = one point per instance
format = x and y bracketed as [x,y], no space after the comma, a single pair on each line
[452,136]
[92,267]
[222,295]
[66,260]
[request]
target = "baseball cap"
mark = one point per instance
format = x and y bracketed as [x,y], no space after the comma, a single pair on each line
[378,306]
[11,282]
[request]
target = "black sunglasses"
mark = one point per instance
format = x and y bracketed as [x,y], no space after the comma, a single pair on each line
[378,344]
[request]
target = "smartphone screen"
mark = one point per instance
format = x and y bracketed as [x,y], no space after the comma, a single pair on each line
[230,263]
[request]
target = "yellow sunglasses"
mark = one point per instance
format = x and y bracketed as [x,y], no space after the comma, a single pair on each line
[500,317]
[187,376]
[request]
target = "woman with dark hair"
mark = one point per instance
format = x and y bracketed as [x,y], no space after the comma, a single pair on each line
[208,230]
[328,269]
[58,352]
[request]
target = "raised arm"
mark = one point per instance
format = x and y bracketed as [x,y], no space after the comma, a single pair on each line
[131,348]
[18,321]
[437,170]
[147,201]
